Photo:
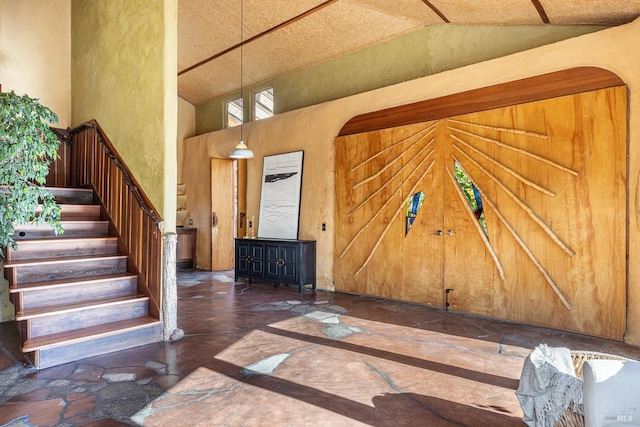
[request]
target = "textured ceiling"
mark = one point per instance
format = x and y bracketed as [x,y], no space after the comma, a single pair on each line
[280,36]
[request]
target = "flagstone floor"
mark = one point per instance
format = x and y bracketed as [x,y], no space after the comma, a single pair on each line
[256,355]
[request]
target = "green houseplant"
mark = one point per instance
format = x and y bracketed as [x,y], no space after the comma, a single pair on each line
[27,147]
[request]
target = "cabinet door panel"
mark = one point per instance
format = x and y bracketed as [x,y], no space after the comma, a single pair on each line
[273,254]
[257,264]
[242,255]
[288,253]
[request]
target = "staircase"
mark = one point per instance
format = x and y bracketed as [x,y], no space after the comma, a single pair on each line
[74,294]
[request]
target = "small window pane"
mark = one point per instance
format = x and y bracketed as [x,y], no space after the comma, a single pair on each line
[414,203]
[263,104]
[472,194]
[234,113]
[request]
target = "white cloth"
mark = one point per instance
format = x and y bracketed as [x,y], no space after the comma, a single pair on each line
[548,385]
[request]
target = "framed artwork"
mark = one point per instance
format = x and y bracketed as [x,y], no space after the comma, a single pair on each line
[280,196]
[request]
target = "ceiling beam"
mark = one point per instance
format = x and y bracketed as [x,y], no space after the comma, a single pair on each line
[260,35]
[436,11]
[541,11]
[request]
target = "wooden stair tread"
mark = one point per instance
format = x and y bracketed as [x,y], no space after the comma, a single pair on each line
[62,259]
[66,240]
[77,306]
[86,334]
[63,222]
[73,281]
[70,189]
[54,240]
[63,195]
[80,206]
[77,211]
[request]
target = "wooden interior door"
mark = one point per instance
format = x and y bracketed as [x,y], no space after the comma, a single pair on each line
[423,245]
[468,261]
[552,178]
[369,232]
[222,214]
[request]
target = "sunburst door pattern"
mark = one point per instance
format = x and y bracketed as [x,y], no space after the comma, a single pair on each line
[551,177]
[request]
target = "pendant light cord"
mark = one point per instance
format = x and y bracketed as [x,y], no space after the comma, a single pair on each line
[241,151]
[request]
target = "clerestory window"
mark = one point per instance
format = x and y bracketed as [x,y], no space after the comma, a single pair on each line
[234,112]
[263,104]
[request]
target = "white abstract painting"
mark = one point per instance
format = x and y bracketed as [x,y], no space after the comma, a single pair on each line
[280,196]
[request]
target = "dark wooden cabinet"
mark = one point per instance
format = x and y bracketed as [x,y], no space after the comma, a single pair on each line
[279,261]
[186,247]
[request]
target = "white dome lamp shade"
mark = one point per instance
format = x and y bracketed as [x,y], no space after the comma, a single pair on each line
[241,151]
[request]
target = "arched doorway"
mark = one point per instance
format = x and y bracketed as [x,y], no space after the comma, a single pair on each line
[549,167]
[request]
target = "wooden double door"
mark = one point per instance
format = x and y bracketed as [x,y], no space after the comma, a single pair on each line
[550,246]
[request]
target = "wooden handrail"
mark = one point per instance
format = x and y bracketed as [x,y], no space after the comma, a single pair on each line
[96,163]
[111,152]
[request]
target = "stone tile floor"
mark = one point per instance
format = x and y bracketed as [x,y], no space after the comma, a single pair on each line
[256,355]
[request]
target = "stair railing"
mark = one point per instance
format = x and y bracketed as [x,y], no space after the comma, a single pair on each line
[59,170]
[96,163]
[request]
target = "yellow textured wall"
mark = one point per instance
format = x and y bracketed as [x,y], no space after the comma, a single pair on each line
[314,129]
[35,52]
[124,75]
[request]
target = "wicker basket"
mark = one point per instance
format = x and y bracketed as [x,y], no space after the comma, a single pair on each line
[570,418]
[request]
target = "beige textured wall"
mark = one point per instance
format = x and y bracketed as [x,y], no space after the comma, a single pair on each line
[35,59]
[35,52]
[124,76]
[314,129]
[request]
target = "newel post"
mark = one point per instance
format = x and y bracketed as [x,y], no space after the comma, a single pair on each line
[170,330]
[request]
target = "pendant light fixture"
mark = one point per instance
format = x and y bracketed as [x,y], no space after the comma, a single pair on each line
[241,151]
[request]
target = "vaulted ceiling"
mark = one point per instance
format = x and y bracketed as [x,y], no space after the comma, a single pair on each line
[280,36]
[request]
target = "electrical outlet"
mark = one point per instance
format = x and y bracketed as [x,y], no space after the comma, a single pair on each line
[324,226]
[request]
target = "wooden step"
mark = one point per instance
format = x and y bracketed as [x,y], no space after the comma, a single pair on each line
[66,347]
[72,196]
[52,248]
[55,310]
[73,294]
[83,212]
[52,292]
[87,334]
[66,195]
[72,229]
[41,321]
[47,269]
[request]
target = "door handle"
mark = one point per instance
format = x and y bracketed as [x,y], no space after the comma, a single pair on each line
[451,232]
[438,233]
[214,219]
